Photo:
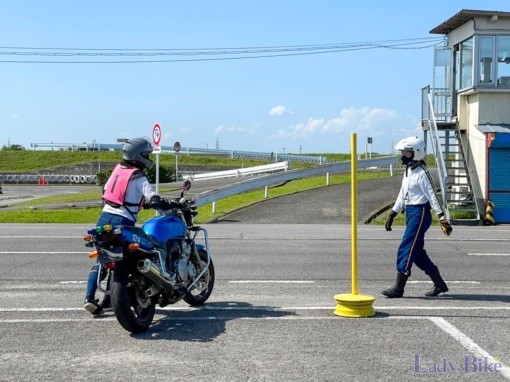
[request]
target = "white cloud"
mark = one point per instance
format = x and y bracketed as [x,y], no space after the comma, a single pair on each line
[14,116]
[360,120]
[279,110]
[234,129]
[350,120]
[301,130]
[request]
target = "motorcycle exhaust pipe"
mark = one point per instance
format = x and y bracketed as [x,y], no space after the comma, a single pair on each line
[154,273]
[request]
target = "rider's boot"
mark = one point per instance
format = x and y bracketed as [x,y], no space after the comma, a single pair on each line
[397,290]
[93,306]
[439,285]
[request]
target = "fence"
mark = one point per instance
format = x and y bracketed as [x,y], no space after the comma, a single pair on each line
[280,166]
[268,180]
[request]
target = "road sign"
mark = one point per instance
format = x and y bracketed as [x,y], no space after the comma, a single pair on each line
[156,134]
[156,150]
[177,147]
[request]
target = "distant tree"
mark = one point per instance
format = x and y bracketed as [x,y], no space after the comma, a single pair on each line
[13,147]
[165,174]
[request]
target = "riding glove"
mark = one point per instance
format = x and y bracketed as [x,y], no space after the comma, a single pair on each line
[446,227]
[389,222]
[163,204]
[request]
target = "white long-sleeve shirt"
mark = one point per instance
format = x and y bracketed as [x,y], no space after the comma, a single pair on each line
[417,189]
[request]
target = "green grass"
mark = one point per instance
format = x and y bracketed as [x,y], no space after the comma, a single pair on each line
[88,196]
[67,198]
[26,160]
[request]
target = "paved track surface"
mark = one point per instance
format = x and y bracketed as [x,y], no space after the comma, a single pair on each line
[326,205]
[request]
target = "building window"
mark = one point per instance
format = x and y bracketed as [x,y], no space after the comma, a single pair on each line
[466,63]
[503,50]
[486,72]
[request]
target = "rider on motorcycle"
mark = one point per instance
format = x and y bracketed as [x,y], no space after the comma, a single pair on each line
[124,194]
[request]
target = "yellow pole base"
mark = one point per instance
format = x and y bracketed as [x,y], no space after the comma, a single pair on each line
[354,305]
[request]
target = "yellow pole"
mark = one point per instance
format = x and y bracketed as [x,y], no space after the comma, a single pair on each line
[354,216]
[354,304]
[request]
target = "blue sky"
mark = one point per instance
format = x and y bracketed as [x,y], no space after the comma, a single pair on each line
[303,103]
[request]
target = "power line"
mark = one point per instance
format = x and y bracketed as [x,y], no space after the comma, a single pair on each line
[48,55]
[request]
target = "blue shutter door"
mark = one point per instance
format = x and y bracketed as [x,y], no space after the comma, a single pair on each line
[499,183]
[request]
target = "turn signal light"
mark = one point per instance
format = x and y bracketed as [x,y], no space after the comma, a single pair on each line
[134,246]
[93,255]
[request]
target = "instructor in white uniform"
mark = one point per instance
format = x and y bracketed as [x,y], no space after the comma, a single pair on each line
[416,197]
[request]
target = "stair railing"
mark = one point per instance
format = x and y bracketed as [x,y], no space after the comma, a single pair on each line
[438,154]
[468,177]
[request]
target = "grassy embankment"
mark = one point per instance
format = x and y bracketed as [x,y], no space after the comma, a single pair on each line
[28,212]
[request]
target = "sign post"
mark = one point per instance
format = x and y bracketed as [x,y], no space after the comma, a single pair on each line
[177,148]
[156,138]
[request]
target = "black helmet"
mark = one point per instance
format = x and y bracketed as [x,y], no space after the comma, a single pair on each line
[137,150]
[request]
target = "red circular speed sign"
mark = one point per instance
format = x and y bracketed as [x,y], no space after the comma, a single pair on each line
[156,134]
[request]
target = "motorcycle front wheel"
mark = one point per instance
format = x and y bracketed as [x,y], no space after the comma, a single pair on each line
[133,309]
[204,286]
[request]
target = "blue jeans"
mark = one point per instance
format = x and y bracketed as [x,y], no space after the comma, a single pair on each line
[411,249]
[104,219]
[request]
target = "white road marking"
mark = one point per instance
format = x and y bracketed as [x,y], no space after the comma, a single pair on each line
[73,282]
[40,253]
[449,282]
[43,237]
[468,343]
[488,254]
[50,320]
[271,282]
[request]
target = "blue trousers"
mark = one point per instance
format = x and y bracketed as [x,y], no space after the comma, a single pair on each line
[411,249]
[105,218]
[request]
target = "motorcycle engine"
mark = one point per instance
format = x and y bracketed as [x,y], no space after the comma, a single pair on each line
[185,270]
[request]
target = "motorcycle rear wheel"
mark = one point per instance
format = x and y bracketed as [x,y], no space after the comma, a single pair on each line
[133,309]
[204,286]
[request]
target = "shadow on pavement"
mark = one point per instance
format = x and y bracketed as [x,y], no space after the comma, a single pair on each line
[205,323]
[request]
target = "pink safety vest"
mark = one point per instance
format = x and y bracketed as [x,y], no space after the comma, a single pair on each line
[115,192]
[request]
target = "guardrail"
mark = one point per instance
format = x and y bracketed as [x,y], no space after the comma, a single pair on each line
[280,166]
[271,156]
[269,180]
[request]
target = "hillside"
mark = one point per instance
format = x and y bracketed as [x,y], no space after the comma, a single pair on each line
[16,161]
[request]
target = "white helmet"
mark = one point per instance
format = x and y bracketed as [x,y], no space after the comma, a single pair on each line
[414,144]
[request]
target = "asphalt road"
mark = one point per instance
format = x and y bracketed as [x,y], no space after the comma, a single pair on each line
[270,317]
[326,205]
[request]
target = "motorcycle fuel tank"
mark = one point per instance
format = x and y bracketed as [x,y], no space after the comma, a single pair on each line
[164,228]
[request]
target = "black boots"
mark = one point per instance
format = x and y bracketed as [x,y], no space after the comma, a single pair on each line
[439,285]
[397,290]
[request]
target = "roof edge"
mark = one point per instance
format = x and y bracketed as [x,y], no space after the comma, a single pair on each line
[462,17]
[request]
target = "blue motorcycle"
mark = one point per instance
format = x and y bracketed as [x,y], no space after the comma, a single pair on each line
[164,261]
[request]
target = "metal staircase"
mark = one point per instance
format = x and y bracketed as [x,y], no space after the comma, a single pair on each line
[458,198]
